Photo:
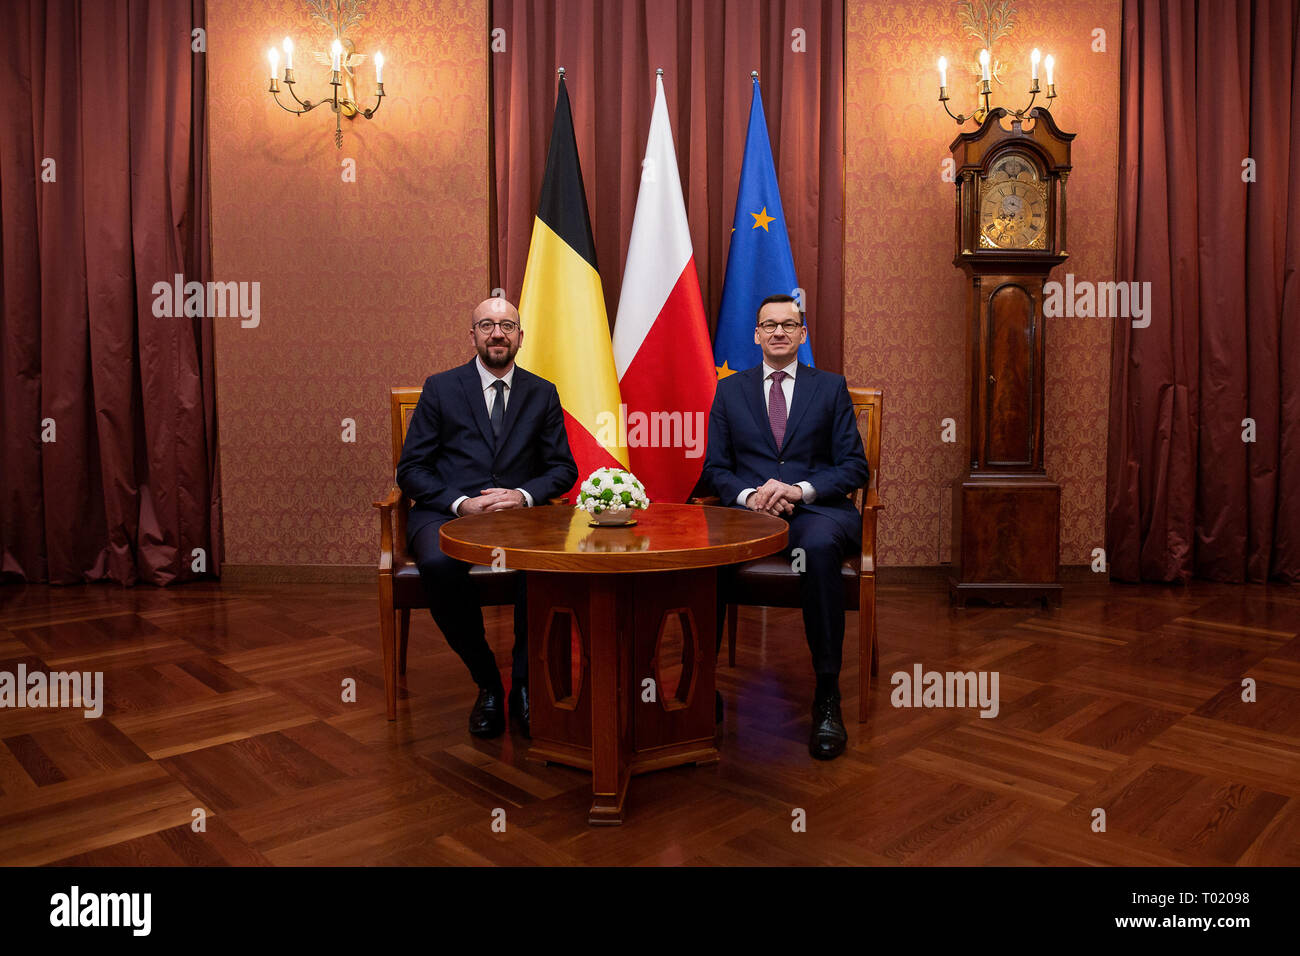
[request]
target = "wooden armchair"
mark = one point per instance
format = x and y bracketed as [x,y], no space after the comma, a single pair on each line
[399,578]
[770,582]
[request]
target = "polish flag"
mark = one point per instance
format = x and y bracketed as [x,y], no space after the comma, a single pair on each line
[662,351]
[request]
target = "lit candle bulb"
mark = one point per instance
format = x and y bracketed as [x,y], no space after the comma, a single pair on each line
[274,56]
[336,52]
[1050,63]
[288,54]
[984,65]
[943,71]
[1033,63]
[379,68]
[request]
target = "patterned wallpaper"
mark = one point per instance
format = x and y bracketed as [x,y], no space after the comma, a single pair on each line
[363,284]
[366,284]
[903,297]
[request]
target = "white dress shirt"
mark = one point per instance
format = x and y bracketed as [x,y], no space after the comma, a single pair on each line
[787,389]
[487,380]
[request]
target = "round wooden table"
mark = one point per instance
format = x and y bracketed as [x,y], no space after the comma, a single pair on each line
[606,606]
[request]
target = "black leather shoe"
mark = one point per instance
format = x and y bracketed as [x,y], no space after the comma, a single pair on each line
[487,719]
[717,706]
[828,733]
[519,707]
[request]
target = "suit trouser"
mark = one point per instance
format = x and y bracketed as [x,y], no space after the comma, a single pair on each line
[454,604]
[825,546]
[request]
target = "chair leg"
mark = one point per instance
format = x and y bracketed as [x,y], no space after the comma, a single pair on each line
[866,642]
[403,632]
[387,642]
[733,614]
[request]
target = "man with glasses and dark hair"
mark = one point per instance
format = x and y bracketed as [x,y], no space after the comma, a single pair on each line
[485,436]
[783,441]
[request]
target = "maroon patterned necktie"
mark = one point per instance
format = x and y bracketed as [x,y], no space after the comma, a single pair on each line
[776,411]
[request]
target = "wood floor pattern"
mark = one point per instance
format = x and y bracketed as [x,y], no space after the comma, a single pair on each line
[229,698]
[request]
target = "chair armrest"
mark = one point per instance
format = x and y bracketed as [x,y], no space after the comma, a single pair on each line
[391,498]
[559,501]
[704,500]
[871,507]
[393,514]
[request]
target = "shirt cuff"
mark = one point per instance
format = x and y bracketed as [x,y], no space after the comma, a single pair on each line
[809,493]
[528,499]
[744,496]
[455,505]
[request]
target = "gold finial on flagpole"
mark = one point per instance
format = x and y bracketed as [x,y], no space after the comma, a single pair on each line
[753,74]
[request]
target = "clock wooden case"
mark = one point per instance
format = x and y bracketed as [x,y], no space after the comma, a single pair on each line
[1011,227]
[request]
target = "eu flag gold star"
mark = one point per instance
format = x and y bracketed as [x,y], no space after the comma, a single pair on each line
[723,370]
[762,219]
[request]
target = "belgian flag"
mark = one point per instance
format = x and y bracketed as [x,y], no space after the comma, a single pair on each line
[562,306]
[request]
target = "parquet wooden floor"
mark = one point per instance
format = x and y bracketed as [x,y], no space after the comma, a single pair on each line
[228,697]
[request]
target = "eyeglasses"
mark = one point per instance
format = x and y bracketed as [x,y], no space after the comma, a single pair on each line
[485,326]
[789,326]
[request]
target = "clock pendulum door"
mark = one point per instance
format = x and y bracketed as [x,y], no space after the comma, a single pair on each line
[1010,234]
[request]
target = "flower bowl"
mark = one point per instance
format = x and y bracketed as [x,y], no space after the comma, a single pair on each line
[611,497]
[622,518]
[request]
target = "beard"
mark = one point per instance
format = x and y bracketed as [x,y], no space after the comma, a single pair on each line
[485,353]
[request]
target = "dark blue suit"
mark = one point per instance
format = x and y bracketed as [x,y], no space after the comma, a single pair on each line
[822,446]
[450,452]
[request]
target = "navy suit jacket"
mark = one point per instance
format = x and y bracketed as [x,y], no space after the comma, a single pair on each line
[822,445]
[449,449]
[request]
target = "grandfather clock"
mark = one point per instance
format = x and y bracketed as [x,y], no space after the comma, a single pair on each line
[1011,217]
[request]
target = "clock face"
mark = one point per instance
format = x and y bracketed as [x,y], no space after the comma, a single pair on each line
[1013,205]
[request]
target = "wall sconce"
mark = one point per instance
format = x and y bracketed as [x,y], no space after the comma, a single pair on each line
[338,15]
[984,91]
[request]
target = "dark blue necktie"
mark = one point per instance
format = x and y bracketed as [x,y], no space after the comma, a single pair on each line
[498,409]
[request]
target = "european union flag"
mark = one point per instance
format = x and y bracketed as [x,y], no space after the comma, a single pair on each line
[759,262]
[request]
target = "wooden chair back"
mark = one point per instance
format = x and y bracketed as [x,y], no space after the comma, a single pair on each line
[402,400]
[867,409]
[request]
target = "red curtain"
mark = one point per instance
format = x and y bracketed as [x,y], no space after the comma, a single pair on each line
[1209,95]
[707,48]
[103,192]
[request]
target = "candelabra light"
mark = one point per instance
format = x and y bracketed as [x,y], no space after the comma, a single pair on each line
[340,76]
[984,91]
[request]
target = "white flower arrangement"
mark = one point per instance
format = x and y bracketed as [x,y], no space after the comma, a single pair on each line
[611,490]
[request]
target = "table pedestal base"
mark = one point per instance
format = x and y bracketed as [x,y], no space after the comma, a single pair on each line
[621,673]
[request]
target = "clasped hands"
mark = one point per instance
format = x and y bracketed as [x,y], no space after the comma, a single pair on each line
[492,499]
[774,498]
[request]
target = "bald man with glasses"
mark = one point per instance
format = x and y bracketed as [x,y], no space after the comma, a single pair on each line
[486,436]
